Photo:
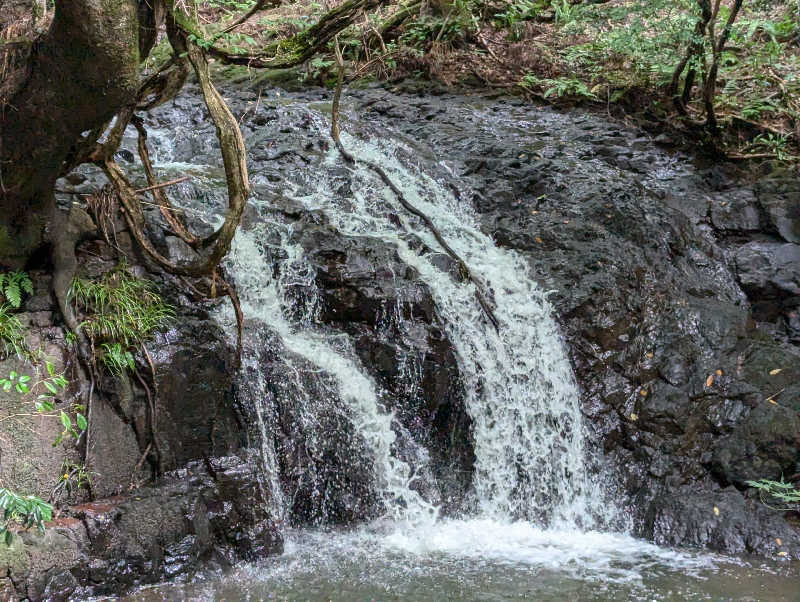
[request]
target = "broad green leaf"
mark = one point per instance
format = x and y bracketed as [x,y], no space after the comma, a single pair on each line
[13,294]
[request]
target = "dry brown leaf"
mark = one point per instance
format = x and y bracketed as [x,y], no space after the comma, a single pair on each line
[778,539]
[775,371]
[716,511]
[709,380]
[539,240]
[781,553]
[643,392]
[719,372]
[649,355]
[634,417]
[772,401]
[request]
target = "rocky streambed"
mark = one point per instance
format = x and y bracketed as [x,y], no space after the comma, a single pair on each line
[676,286]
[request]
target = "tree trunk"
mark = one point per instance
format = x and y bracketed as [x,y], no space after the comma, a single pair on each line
[80,73]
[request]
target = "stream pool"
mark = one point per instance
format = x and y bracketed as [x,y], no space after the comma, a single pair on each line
[487,561]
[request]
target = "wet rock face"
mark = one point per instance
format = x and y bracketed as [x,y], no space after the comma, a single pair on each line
[677,288]
[367,291]
[193,369]
[189,520]
[200,517]
[359,287]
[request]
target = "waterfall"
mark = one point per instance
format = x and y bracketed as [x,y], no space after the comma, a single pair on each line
[521,393]
[269,299]
[535,516]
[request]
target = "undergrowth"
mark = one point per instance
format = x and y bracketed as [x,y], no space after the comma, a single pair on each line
[120,308]
[121,312]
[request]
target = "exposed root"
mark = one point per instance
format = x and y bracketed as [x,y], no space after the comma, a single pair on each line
[67,232]
[157,191]
[151,406]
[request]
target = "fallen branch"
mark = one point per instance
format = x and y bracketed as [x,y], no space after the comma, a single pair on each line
[349,158]
[164,184]
[160,199]
[288,52]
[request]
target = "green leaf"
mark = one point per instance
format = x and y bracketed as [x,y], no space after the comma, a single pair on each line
[9,538]
[50,387]
[24,378]
[45,404]
[50,368]
[81,420]
[13,294]
[65,420]
[26,284]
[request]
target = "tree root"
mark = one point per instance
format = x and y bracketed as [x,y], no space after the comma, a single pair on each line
[377,169]
[159,196]
[67,232]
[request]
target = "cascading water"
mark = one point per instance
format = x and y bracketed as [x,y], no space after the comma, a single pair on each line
[264,298]
[534,503]
[521,394]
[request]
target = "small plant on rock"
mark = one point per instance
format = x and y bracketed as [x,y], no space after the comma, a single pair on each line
[13,285]
[12,334]
[120,307]
[27,511]
[777,494]
[118,359]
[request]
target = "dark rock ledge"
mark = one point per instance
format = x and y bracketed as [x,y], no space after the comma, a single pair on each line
[190,521]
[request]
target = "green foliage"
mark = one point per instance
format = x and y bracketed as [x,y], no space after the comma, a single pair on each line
[53,383]
[51,386]
[757,108]
[518,11]
[19,382]
[27,511]
[773,143]
[780,492]
[318,69]
[71,429]
[12,285]
[118,359]
[12,334]
[422,32]
[120,308]
[73,478]
[560,87]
